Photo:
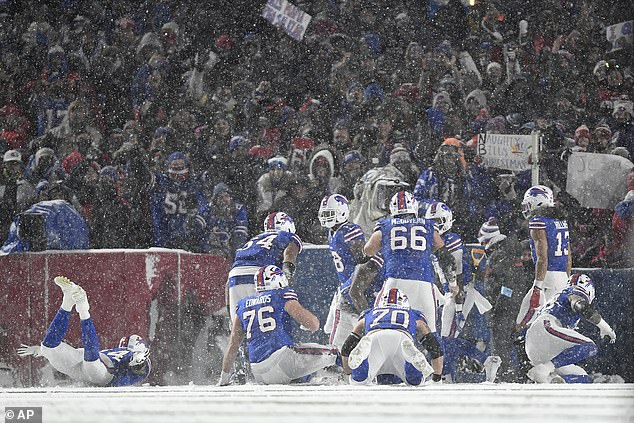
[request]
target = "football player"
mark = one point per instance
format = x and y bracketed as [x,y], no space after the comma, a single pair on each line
[265,320]
[406,243]
[277,245]
[345,241]
[459,299]
[125,365]
[552,343]
[550,246]
[388,345]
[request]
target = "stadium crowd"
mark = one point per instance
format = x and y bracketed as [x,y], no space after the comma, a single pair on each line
[183,124]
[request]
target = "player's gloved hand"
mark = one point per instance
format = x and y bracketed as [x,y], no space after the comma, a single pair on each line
[536,298]
[609,332]
[224,378]
[26,350]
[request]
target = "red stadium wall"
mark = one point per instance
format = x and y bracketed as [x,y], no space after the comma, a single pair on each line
[148,292]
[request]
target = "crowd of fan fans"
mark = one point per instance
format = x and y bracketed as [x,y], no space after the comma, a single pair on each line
[137,113]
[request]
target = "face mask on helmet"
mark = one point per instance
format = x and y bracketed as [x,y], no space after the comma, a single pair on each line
[535,197]
[442,214]
[270,277]
[403,202]
[279,221]
[333,210]
[583,285]
[394,298]
[140,352]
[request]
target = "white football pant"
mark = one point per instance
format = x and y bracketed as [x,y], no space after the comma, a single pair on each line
[293,362]
[546,339]
[70,361]
[341,319]
[553,283]
[386,355]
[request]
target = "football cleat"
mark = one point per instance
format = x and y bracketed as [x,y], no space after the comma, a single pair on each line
[67,286]
[541,373]
[491,366]
[360,353]
[81,299]
[416,358]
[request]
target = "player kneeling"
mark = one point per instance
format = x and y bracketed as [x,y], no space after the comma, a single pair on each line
[388,346]
[265,320]
[552,343]
[126,365]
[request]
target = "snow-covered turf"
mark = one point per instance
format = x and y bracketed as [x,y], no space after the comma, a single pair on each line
[464,403]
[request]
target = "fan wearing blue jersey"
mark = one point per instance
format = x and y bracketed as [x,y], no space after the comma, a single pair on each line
[178,207]
[406,243]
[459,299]
[345,241]
[550,246]
[128,364]
[388,345]
[277,245]
[552,343]
[265,320]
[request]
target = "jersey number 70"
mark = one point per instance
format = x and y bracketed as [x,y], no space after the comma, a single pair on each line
[397,317]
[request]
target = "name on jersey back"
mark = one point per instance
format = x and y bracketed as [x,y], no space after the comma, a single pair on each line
[258,300]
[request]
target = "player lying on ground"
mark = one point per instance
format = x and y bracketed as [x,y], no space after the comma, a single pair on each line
[552,343]
[388,346]
[126,365]
[266,320]
[459,299]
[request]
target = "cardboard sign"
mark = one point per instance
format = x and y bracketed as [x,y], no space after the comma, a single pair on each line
[618,34]
[598,180]
[288,17]
[505,151]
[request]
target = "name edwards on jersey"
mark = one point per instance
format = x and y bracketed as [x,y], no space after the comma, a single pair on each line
[263,299]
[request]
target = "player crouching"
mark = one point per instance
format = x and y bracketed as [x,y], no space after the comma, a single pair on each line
[388,346]
[552,343]
[265,319]
[126,365]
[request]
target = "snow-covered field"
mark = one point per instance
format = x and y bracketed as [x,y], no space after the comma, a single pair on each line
[462,403]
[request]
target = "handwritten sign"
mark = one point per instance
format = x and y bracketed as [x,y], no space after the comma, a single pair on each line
[597,180]
[505,151]
[619,34]
[288,17]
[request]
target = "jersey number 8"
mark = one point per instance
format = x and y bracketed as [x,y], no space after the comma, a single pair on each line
[416,241]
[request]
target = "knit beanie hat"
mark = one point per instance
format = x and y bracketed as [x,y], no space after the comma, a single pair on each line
[488,231]
[582,131]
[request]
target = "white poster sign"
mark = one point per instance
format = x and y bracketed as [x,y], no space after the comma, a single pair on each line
[598,180]
[288,17]
[505,151]
[619,33]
